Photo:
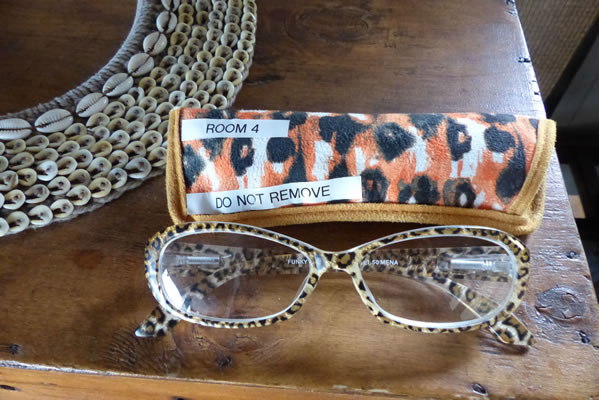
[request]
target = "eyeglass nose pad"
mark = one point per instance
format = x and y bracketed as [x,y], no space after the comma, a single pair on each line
[320,262]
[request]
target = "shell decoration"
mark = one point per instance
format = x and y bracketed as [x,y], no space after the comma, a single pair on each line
[67,161]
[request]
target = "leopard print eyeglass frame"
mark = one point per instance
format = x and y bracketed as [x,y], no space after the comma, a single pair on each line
[227,275]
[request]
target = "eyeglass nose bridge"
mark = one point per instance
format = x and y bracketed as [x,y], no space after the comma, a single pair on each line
[341,261]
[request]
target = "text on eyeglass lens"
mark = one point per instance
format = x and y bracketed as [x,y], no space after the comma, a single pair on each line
[300,261]
[380,262]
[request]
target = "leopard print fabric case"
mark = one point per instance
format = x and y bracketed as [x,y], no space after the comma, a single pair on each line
[466,168]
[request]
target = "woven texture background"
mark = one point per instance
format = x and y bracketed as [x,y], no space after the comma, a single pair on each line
[553,30]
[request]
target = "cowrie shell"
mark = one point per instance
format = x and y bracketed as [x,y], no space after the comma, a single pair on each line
[47,170]
[80,177]
[98,119]
[137,93]
[117,84]
[155,43]
[167,62]
[127,100]
[118,159]
[234,76]
[140,64]
[83,158]
[119,139]
[147,84]
[27,177]
[70,146]
[191,103]
[37,143]
[214,74]
[114,110]
[118,124]
[4,227]
[176,98]
[101,148]
[135,114]
[199,32]
[86,141]
[207,86]
[46,154]
[76,130]
[135,149]
[14,128]
[18,221]
[138,168]
[62,208]
[225,88]
[148,104]
[158,73]
[194,75]
[100,133]
[90,104]
[151,140]
[21,160]
[164,109]
[136,129]
[185,27]
[99,167]
[171,5]
[219,101]
[202,96]
[36,194]
[79,195]
[14,199]
[3,163]
[66,165]
[166,22]
[40,215]
[151,121]
[100,187]
[157,157]
[117,177]
[59,185]
[179,69]
[159,93]
[56,139]
[54,121]
[189,88]
[171,82]
[15,146]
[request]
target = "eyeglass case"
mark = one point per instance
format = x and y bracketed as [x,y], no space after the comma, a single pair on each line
[267,168]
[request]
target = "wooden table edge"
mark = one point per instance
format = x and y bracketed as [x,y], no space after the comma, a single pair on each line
[47,382]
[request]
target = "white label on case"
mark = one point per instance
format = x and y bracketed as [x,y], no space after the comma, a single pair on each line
[192,129]
[232,201]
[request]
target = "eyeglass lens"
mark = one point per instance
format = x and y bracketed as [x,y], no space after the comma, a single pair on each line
[230,275]
[439,279]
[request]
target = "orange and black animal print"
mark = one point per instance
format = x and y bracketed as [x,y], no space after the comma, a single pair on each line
[458,159]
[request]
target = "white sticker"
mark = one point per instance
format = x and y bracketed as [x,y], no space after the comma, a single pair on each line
[232,201]
[192,129]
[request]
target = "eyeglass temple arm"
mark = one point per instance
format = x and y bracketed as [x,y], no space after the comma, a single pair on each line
[156,324]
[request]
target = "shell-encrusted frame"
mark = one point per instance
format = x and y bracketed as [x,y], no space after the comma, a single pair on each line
[502,322]
[86,148]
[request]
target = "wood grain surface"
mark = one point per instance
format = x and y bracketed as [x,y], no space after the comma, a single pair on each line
[72,294]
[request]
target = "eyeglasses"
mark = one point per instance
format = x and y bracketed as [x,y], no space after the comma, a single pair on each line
[434,280]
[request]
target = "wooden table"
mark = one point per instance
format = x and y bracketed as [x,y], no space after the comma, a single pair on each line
[72,294]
